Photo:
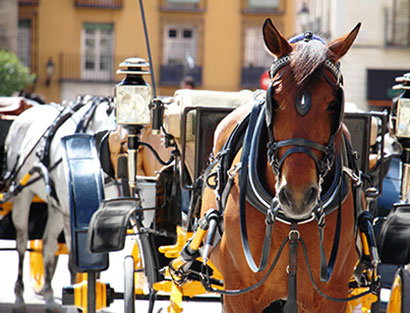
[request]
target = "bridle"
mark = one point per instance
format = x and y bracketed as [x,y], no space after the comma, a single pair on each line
[302,145]
[88,116]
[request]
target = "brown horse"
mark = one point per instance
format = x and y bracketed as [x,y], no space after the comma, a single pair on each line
[302,122]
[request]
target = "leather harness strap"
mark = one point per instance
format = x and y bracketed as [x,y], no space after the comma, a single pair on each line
[291,305]
[242,202]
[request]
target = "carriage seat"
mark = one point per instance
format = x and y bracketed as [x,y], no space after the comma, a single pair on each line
[206,108]
[184,98]
[13,105]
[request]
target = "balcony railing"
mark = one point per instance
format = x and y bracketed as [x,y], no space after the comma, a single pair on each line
[28,2]
[182,5]
[262,7]
[102,4]
[172,75]
[71,68]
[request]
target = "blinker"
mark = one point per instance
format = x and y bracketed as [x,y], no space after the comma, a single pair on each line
[302,103]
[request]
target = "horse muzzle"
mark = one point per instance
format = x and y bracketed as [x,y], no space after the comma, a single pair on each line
[298,204]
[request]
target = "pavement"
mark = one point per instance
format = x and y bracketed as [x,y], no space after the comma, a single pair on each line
[114,276]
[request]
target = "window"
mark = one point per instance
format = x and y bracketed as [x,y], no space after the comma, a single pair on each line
[398,23]
[181,54]
[263,4]
[180,44]
[256,54]
[97,55]
[256,58]
[24,42]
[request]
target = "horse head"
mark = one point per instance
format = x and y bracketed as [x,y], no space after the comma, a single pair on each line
[96,115]
[304,110]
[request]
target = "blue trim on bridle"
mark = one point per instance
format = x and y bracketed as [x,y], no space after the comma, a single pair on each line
[302,37]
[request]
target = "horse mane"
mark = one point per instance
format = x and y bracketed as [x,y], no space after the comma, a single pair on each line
[306,58]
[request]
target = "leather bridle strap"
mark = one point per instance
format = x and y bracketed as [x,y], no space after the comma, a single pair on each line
[86,118]
[301,145]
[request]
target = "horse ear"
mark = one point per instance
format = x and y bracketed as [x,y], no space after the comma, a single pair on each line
[340,46]
[274,41]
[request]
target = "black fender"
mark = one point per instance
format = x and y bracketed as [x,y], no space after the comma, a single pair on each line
[394,238]
[108,225]
[85,189]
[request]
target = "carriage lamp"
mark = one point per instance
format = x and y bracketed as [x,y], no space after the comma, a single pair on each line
[402,125]
[402,131]
[133,94]
[403,118]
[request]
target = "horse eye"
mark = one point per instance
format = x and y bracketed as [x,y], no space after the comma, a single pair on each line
[332,106]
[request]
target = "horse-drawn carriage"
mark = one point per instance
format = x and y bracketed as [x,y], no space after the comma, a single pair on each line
[279,182]
[279,175]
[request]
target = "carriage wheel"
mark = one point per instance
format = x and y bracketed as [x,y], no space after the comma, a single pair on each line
[36,265]
[129,293]
[399,301]
[149,263]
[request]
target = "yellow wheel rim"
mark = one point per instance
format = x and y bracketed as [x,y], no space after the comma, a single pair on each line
[394,305]
[36,265]
[139,270]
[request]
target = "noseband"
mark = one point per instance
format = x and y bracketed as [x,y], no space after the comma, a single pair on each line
[302,145]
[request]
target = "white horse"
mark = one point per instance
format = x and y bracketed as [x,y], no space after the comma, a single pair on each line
[24,142]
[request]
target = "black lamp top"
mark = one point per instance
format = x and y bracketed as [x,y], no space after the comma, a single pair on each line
[134,66]
[404,82]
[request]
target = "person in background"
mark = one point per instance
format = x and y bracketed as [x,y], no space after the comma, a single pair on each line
[188,83]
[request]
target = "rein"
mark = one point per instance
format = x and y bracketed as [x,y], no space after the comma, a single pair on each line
[293,239]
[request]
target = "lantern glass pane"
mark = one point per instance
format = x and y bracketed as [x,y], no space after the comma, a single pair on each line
[403,118]
[133,105]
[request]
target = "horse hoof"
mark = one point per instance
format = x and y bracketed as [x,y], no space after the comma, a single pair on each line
[19,308]
[53,308]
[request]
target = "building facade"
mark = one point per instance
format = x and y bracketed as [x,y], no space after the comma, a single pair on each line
[75,46]
[381,51]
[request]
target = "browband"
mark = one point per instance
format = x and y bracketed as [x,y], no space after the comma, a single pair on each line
[333,68]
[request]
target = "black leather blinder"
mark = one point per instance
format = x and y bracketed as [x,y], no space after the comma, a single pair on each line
[337,118]
[271,105]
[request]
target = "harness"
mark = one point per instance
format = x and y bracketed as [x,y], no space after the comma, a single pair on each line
[43,167]
[249,135]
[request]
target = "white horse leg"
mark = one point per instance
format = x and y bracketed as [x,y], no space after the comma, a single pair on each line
[20,216]
[53,229]
[67,236]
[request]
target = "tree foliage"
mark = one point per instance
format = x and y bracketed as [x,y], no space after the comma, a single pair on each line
[14,76]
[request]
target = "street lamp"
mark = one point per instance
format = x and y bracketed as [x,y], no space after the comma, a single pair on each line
[303,17]
[50,68]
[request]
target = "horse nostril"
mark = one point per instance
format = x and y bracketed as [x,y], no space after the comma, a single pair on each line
[311,195]
[284,196]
